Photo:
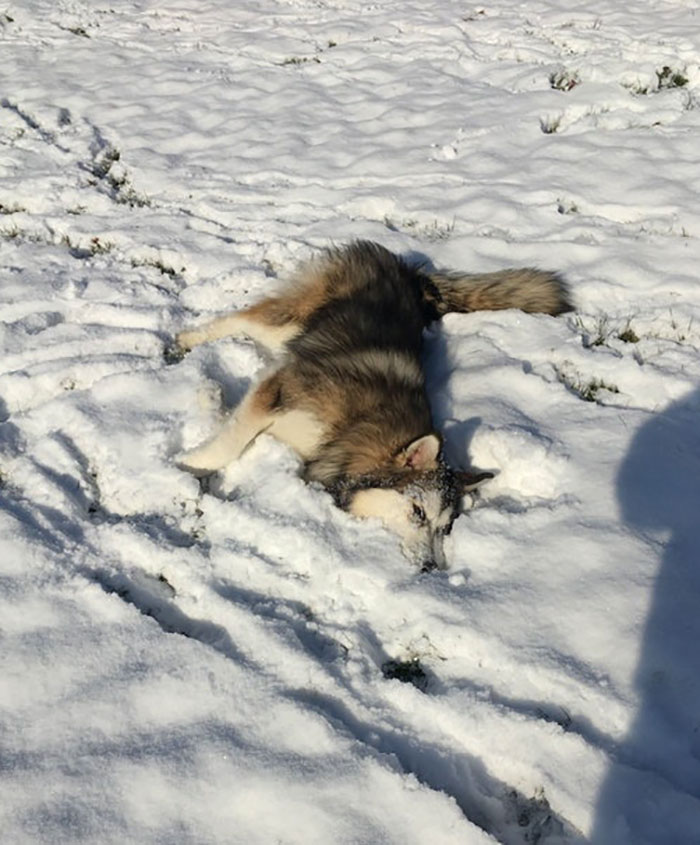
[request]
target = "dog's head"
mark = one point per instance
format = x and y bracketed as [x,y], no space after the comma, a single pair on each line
[418,497]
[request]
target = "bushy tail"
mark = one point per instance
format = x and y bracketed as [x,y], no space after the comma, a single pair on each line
[527,289]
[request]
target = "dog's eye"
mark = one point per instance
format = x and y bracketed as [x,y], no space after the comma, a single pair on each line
[418,513]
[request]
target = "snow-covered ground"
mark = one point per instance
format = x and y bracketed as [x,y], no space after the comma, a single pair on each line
[248,664]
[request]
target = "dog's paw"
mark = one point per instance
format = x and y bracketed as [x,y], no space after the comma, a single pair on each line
[186,341]
[197,472]
[195,462]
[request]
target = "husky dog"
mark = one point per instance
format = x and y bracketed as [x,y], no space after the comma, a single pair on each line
[348,394]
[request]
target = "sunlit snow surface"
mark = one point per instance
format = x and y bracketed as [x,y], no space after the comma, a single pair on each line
[180,666]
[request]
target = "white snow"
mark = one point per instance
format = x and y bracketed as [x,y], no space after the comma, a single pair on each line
[189,666]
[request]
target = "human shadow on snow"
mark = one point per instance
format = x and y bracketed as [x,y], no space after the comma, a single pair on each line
[652,790]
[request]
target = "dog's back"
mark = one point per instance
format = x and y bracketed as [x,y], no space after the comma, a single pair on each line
[369,299]
[356,361]
[355,364]
[366,295]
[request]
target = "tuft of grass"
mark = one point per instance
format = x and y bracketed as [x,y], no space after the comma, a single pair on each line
[567,207]
[168,586]
[437,230]
[100,247]
[564,80]
[406,671]
[10,233]
[670,78]
[681,333]
[102,165]
[589,392]
[628,334]
[666,77]
[596,334]
[587,389]
[534,815]
[550,124]
[158,264]
[10,208]
[601,331]
[126,194]
[123,191]
[300,60]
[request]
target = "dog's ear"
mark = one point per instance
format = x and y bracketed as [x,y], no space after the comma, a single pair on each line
[422,454]
[470,480]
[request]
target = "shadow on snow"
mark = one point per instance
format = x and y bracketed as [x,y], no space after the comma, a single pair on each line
[652,790]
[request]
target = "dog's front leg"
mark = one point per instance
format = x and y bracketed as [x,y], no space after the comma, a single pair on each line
[255,414]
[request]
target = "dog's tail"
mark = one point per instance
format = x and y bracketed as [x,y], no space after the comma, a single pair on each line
[527,289]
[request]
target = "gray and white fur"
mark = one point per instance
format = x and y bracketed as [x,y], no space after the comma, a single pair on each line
[348,393]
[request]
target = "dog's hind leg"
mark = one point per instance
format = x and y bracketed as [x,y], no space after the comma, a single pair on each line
[271,323]
[255,414]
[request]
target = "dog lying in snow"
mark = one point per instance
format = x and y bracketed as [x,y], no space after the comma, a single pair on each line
[349,393]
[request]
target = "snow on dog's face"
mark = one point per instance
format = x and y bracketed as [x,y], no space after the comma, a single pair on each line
[417,504]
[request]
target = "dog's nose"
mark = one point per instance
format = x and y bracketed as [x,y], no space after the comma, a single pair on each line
[429,566]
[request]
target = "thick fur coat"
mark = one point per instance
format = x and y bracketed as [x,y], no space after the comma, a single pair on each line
[349,391]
